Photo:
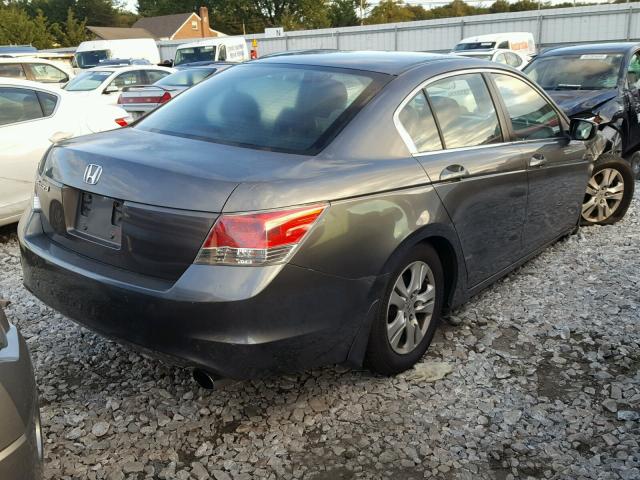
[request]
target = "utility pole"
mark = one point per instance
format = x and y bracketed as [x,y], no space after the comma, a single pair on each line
[362,12]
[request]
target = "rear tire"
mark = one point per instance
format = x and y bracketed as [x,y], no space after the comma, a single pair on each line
[409,313]
[609,191]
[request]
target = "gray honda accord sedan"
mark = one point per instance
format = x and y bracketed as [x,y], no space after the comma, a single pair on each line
[306,209]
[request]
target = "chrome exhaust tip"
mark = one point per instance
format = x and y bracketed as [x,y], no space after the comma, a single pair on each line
[205,379]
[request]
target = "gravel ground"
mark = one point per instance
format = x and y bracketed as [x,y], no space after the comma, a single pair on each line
[544,384]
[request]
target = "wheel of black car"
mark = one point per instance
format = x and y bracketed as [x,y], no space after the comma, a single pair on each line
[635,164]
[409,313]
[609,191]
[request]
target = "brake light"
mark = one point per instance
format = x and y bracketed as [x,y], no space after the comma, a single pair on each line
[129,99]
[124,121]
[166,96]
[258,238]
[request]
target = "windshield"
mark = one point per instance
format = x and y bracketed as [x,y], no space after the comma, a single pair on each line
[195,54]
[296,109]
[91,58]
[474,46]
[87,81]
[593,71]
[185,78]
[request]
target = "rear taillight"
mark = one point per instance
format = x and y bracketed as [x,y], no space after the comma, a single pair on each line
[258,238]
[165,97]
[124,121]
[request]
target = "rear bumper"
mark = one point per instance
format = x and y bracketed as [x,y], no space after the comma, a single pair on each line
[138,110]
[238,322]
[20,434]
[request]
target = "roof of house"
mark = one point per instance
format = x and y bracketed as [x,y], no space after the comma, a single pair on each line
[164,25]
[119,33]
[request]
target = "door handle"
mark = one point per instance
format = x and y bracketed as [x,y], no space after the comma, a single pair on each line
[454,172]
[538,160]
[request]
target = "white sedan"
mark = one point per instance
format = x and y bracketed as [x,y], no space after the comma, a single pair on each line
[498,55]
[106,83]
[32,117]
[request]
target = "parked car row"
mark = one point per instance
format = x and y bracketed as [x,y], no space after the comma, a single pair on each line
[32,117]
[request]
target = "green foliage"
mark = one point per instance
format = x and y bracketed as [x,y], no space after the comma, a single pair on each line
[72,32]
[16,27]
[57,23]
[389,11]
[343,13]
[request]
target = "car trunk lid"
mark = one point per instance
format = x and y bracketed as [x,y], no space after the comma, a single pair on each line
[143,206]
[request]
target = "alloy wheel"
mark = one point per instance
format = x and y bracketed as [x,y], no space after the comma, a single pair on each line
[605,191]
[410,307]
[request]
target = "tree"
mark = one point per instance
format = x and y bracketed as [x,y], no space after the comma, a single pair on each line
[500,6]
[343,13]
[389,11]
[72,32]
[523,5]
[153,8]
[16,27]
[419,12]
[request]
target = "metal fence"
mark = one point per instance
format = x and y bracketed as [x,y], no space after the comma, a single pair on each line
[559,26]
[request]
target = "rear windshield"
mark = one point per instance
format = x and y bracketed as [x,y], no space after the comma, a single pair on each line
[195,54]
[91,58]
[474,46]
[185,78]
[87,81]
[288,108]
[590,71]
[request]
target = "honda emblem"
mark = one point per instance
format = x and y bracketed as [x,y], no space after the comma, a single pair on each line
[92,174]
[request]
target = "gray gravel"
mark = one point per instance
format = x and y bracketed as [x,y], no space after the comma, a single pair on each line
[544,384]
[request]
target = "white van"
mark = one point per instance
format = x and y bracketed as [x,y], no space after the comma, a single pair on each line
[521,42]
[224,49]
[89,54]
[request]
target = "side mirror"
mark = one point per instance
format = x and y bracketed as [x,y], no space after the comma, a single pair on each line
[110,89]
[582,129]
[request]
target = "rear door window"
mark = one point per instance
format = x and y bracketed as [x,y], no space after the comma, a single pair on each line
[464,110]
[532,117]
[417,120]
[272,107]
[48,103]
[154,75]
[42,72]
[501,58]
[513,59]
[18,105]
[12,70]
[126,79]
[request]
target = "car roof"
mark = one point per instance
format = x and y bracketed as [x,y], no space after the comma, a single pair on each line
[391,63]
[15,82]
[25,60]
[614,47]
[126,68]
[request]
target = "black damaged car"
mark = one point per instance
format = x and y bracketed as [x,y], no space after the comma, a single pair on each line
[600,82]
